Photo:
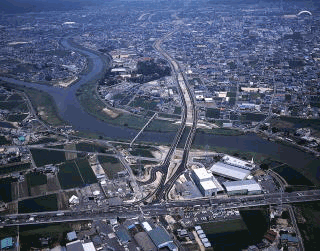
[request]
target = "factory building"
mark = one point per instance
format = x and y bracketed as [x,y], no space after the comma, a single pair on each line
[229,171]
[145,242]
[230,160]
[206,182]
[242,187]
[162,239]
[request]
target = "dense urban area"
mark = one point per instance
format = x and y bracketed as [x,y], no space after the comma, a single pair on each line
[160,125]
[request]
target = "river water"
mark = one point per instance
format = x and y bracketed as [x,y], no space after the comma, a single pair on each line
[71,111]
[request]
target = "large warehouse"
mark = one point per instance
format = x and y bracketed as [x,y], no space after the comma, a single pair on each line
[242,187]
[206,182]
[230,160]
[229,171]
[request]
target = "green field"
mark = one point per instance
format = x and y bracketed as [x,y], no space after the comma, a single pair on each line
[222,226]
[142,152]
[36,179]
[4,141]
[5,189]
[221,131]
[256,117]
[14,106]
[16,97]
[177,110]
[42,99]
[90,147]
[145,103]
[110,165]
[16,117]
[86,171]
[13,168]
[149,162]
[29,235]
[39,204]
[213,113]
[44,157]
[93,105]
[299,122]
[44,140]
[70,177]
[3,97]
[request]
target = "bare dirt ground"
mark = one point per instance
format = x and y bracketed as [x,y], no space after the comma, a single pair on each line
[66,83]
[23,189]
[38,190]
[53,183]
[110,112]
[63,198]
[14,190]
[70,155]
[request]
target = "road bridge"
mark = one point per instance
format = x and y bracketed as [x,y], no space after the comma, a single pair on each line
[149,121]
[157,209]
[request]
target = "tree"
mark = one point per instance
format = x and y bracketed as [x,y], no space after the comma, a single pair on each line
[264,166]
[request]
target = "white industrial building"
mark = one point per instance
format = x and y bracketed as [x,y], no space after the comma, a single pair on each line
[230,160]
[206,182]
[242,187]
[229,171]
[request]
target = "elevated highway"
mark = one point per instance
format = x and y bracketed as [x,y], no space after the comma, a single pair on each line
[171,207]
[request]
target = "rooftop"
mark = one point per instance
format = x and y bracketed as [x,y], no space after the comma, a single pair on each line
[202,173]
[6,243]
[75,246]
[237,162]
[209,184]
[144,241]
[159,236]
[250,185]
[229,171]
[89,246]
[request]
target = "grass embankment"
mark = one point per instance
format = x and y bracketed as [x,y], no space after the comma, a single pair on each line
[246,155]
[221,131]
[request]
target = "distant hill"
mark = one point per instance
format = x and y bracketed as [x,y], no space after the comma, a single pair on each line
[22,6]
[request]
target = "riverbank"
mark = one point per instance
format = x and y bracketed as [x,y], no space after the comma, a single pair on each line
[43,103]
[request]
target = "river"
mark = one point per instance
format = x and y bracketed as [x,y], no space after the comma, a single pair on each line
[71,111]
